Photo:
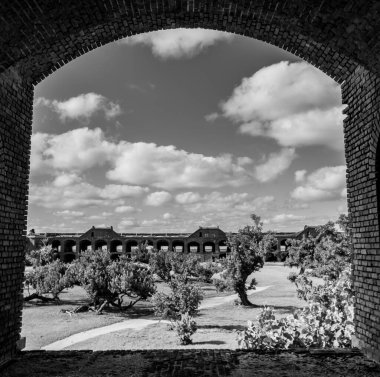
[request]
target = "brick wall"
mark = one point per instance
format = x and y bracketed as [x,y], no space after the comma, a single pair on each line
[339,37]
[16,96]
[361,92]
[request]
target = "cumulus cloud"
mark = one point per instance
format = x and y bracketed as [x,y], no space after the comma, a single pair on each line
[158,198]
[275,164]
[188,197]
[216,202]
[178,43]
[167,167]
[67,214]
[299,175]
[81,194]
[125,209]
[292,103]
[286,217]
[76,150]
[128,222]
[164,167]
[81,107]
[327,183]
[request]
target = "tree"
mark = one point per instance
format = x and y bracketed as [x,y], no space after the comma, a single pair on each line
[247,255]
[50,279]
[107,282]
[42,256]
[167,264]
[327,254]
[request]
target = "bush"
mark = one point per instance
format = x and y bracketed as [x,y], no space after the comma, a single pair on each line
[48,279]
[326,322]
[185,328]
[185,298]
[107,282]
[42,256]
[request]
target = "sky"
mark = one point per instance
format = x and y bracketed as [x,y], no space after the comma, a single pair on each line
[172,130]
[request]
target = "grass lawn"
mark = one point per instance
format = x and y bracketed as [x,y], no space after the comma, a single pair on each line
[44,323]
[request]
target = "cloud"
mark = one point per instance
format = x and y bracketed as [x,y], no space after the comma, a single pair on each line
[188,197]
[178,43]
[68,214]
[275,164]
[299,175]
[167,167]
[285,217]
[158,198]
[125,209]
[66,179]
[148,164]
[292,103]
[327,183]
[212,117]
[128,222]
[81,195]
[121,191]
[76,150]
[81,107]
[168,216]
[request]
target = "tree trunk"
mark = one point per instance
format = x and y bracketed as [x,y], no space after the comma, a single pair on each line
[42,298]
[243,297]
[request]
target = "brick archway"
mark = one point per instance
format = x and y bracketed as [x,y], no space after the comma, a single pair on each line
[340,38]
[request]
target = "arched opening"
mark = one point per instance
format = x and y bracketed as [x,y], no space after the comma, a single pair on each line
[178,246]
[56,245]
[193,247]
[223,248]
[116,249]
[69,246]
[162,245]
[85,245]
[131,246]
[209,247]
[101,244]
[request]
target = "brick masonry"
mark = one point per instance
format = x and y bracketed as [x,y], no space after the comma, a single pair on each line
[339,37]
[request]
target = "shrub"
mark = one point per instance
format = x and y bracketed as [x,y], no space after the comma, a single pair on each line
[185,298]
[185,328]
[41,256]
[326,321]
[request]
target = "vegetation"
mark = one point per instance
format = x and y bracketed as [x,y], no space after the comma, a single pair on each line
[108,282]
[185,328]
[185,298]
[327,254]
[248,248]
[49,279]
[327,319]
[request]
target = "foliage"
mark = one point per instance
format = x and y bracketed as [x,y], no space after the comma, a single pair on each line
[42,256]
[185,298]
[142,254]
[326,254]
[326,321]
[185,328]
[107,282]
[47,279]
[248,248]
[167,264]
[269,246]
[205,271]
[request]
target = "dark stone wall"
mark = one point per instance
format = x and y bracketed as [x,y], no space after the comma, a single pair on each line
[339,37]
[361,92]
[16,98]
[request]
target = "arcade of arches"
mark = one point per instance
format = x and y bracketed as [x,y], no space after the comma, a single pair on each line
[339,37]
